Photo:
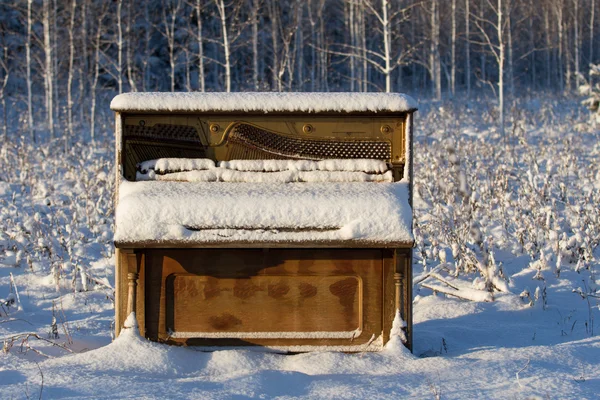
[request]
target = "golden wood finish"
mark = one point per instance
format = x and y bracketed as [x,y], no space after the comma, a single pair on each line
[341,293]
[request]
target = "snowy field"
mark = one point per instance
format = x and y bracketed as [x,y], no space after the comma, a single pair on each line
[507,232]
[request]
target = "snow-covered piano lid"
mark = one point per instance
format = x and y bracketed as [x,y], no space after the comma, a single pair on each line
[263,102]
[189,202]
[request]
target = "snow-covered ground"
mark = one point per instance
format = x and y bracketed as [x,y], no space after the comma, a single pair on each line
[513,222]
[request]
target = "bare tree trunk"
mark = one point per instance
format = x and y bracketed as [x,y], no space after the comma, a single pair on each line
[28,61]
[483,57]
[324,64]
[5,75]
[169,25]
[385,25]
[453,51]
[532,65]
[199,38]
[468,47]
[591,60]
[559,23]
[567,46]
[119,47]
[365,65]
[313,51]
[577,43]
[511,77]
[435,62]
[501,58]
[273,13]
[130,44]
[188,79]
[226,49]
[146,59]
[300,46]
[70,77]
[96,76]
[48,74]
[254,17]
[352,26]
[548,51]
[83,65]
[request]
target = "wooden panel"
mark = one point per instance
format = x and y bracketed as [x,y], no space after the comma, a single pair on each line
[348,285]
[264,306]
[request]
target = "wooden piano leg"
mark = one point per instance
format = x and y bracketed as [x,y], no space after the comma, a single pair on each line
[132,277]
[403,283]
[398,284]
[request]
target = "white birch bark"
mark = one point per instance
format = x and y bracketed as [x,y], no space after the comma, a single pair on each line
[548,51]
[453,51]
[119,47]
[5,74]
[436,68]
[509,43]
[352,26]
[559,24]
[49,66]
[169,24]
[254,17]
[468,47]
[299,48]
[199,38]
[129,51]
[577,41]
[483,56]
[70,74]
[273,16]
[592,15]
[532,49]
[226,50]
[94,85]
[83,64]
[28,62]
[501,57]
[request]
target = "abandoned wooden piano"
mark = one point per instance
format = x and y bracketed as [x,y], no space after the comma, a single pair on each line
[281,220]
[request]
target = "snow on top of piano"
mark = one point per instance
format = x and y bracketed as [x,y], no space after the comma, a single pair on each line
[157,212]
[262,102]
[273,171]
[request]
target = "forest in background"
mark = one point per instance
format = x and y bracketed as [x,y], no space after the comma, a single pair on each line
[61,61]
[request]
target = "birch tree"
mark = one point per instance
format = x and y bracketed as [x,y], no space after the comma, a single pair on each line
[28,66]
[385,60]
[49,67]
[200,41]
[130,48]
[468,46]
[496,47]
[169,19]
[4,76]
[119,46]
[577,40]
[453,51]
[225,38]
[435,65]
[591,39]
[70,76]
[254,10]
[97,53]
